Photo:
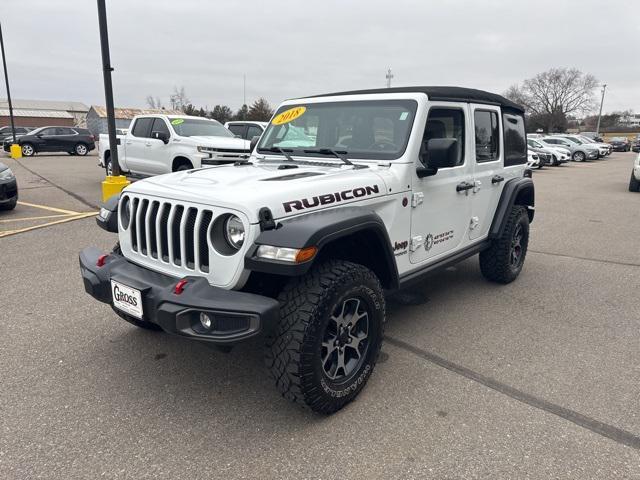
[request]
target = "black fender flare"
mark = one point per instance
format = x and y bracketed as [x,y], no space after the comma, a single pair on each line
[517,191]
[319,229]
[109,222]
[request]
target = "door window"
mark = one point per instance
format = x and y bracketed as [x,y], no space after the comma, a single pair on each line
[159,125]
[515,143]
[487,136]
[253,131]
[142,127]
[64,131]
[48,131]
[237,129]
[446,123]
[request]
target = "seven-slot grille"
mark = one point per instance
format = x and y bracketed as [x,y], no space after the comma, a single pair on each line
[172,233]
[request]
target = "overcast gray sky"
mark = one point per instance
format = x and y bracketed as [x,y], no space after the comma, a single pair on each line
[291,48]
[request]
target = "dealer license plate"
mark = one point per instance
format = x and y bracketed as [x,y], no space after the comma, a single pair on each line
[126,299]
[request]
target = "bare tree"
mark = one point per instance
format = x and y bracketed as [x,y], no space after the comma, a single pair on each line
[178,99]
[154,103]
[554,94]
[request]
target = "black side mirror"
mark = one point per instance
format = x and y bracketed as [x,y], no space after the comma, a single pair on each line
[253,143]
[160,136]
[437,153]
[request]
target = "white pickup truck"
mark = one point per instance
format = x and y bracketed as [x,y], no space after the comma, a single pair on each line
[156,144]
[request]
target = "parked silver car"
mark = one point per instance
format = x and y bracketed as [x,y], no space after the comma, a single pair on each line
[559,155]
[579,151]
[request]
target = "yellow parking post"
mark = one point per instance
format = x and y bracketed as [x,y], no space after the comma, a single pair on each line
[15,150]
[112,185]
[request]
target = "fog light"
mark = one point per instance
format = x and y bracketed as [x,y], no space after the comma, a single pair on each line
[205,320]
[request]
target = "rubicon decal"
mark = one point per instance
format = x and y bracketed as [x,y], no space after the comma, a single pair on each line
[329,198]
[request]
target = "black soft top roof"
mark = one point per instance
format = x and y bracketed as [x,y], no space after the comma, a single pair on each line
[451,94]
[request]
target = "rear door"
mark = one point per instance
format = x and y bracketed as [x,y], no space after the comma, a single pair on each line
[488,166]
[66,138]
[136,144]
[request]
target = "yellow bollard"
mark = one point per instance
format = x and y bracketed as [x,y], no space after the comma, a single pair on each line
[112,185]
[16,151]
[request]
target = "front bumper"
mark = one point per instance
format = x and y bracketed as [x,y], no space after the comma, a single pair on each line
[593,154]
[236,316]
[8,191]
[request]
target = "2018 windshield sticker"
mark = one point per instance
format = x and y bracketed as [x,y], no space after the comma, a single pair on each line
[177,121]
[288,115]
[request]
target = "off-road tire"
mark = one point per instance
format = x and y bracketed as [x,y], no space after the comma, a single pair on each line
[9,205]
[496,262]
[128,318]
[295,345]
[634,184]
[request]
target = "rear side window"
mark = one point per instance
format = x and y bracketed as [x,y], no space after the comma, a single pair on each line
[487,136]
[446,123]
[142,127]
[515,143]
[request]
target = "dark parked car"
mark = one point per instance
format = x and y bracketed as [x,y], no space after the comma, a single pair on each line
[8,188]
[620,144]
[73,140]
[636,144]
[5,132]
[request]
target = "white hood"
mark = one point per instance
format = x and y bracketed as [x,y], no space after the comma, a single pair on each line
[221,142]
[286,191]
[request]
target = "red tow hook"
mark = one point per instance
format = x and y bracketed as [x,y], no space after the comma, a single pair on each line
[102,259]
[179,288]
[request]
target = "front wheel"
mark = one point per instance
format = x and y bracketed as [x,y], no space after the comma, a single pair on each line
[502,262]
[579,157]
[326,344]
[634,184]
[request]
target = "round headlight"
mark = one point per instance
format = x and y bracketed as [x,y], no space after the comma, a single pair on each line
[234,232]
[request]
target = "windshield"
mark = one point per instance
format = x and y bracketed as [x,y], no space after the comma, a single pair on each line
[376,129]
[190,127]
[618,139]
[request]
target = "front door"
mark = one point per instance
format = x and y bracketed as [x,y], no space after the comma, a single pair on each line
[136,145]
[441,203]
[488,175]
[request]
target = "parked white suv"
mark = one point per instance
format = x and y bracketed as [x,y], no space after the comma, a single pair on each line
[346,196]
[156,144]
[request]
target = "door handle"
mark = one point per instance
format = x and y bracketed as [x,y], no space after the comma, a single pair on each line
[129,143]
[497,179]
[148,144]
[464,186]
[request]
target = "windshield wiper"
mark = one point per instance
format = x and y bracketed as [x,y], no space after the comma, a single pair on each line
[340,154]
[281,151]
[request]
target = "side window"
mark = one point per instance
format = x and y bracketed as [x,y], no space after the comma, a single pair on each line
[446,123]
[159,125]
[487,135]
[237,129]
[515,144]
[48,131]
[253,131]
[142,127]
[64,131]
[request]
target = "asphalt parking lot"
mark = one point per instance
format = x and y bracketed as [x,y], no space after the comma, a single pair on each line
[536,379]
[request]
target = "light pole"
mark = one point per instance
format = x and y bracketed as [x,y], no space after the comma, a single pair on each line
[15,149]
[604,87]
[115,182]
[389,76]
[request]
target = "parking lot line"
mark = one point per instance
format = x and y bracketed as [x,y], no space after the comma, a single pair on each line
[52,209]
[23,219]
[68,218]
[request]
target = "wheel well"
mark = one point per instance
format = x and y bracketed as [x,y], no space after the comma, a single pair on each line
[180,161]
[365,247]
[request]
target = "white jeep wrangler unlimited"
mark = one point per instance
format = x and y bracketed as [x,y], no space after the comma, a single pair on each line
[345,197]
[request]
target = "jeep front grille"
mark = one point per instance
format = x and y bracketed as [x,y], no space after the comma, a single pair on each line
[171,233]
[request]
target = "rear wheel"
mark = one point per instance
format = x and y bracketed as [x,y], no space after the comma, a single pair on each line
[502,262]
[325,346]
[183,165]
[554,161]
[81,149]
[28,150]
